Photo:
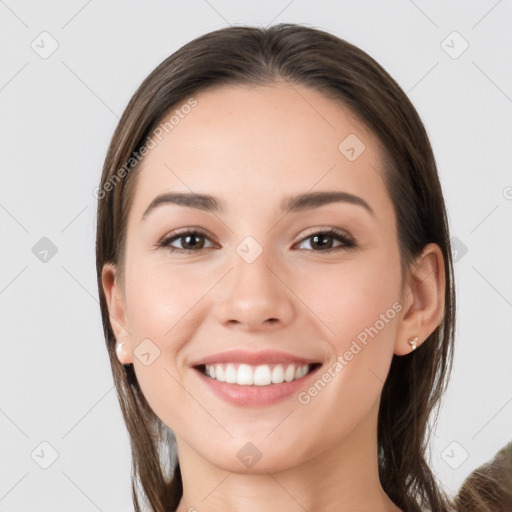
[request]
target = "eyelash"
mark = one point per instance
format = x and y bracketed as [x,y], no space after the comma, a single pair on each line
[348,243]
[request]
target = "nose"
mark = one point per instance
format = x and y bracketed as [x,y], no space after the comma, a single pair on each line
[255,297]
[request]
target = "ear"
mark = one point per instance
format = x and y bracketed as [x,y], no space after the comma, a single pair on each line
[117,312]
[423,299]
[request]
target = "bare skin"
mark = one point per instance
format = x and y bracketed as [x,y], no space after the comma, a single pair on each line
[250,147]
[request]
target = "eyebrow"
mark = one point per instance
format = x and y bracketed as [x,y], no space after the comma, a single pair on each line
[292,204]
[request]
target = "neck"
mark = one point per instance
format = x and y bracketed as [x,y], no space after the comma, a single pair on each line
[342,479]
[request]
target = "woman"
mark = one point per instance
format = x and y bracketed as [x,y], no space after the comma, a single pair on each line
[275,277]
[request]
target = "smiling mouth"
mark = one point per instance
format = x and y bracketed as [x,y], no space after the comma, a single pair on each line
[256,375]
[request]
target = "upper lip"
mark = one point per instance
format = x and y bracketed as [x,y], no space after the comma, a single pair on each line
[253,358]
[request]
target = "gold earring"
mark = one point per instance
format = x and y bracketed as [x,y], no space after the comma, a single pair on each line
[413,342]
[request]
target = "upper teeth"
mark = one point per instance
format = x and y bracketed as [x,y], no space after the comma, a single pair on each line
[261,375]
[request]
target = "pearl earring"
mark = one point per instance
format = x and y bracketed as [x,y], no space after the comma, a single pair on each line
[413,342]
[119,348]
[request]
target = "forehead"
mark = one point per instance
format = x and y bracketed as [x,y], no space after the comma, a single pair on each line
[248,144]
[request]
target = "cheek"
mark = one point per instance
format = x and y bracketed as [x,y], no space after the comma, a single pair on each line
[162,299]
[356,302]
[360,305]
[162,318]
[166,304]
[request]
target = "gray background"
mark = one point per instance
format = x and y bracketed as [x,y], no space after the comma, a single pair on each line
[57,116]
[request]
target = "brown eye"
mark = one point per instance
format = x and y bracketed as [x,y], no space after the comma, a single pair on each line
[322,241]
[191,241]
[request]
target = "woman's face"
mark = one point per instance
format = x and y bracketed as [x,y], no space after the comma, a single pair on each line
[259,281]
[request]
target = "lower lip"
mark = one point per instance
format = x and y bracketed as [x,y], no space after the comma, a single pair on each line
[255,396]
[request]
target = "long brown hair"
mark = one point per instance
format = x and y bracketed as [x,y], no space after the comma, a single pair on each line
[299,55]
